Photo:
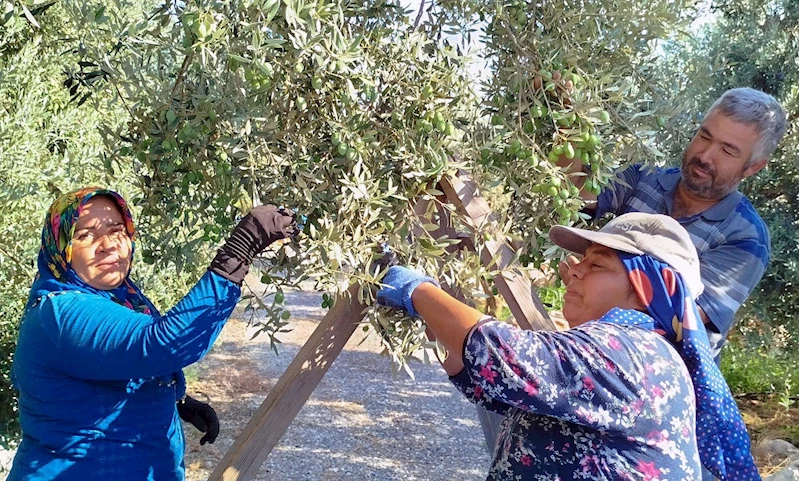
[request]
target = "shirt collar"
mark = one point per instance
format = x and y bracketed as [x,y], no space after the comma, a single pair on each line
[723,209]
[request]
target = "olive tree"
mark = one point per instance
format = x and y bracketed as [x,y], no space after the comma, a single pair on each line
[349,112]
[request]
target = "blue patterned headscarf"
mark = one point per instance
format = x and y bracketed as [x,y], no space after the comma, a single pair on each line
[724,446]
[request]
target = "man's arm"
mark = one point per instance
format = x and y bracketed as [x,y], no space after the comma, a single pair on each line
[614,195]
[730,273]
[577,171]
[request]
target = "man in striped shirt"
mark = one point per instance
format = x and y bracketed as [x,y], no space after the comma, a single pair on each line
[738,134]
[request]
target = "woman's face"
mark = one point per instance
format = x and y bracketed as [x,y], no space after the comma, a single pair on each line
[101,247]
[598,284]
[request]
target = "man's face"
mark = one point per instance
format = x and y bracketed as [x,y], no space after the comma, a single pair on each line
[599,282]
[101,247]
[713,163]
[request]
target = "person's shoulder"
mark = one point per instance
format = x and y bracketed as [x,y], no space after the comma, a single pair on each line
[654,170]
[46,315]
[628,330]
[657,173]
[56,299]
[66,304]
[744,224]
[749,214]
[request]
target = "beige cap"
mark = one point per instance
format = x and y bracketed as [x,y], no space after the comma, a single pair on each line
[655,235]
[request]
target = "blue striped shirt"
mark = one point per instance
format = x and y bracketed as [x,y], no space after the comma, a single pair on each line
[731,239]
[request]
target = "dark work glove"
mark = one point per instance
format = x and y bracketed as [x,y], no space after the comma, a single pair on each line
[202,416]
[262,226]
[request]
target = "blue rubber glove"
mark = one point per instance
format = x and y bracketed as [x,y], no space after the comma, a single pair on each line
[398,286]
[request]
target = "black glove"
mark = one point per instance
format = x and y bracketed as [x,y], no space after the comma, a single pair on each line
[262,226]
[202,416]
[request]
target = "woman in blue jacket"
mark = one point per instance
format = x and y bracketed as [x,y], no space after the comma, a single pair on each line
[98,368]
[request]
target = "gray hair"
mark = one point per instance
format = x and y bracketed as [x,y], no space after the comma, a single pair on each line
[750,106]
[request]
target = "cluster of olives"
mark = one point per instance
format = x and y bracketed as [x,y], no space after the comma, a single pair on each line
[548,123]
[434,120]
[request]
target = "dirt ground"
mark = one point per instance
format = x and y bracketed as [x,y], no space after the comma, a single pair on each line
[766,419]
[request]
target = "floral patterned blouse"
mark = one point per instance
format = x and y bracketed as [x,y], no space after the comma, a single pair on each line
[601,401]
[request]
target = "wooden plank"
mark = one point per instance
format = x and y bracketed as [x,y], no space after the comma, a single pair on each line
[292,390]
[515,288]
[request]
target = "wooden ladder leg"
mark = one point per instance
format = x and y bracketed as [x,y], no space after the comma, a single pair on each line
[270,422]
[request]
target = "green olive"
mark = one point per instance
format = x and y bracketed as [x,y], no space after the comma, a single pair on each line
[529,126]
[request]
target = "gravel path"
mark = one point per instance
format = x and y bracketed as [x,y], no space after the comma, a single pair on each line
[361,423]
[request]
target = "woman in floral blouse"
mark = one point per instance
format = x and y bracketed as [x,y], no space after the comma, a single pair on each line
[630,392]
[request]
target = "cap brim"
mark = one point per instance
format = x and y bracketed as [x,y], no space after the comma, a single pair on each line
[578,240]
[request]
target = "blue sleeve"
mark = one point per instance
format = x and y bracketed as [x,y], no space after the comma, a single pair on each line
[618,191]
[568,375]
[96,338]
[730,273]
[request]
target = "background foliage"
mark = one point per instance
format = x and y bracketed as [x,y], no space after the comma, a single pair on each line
[350,110]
